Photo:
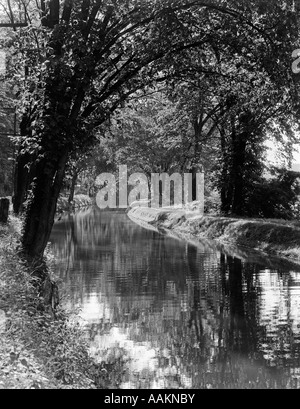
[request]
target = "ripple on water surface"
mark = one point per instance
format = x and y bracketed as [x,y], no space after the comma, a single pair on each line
[175,314]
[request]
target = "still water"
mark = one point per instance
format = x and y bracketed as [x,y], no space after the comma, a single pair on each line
[180,315]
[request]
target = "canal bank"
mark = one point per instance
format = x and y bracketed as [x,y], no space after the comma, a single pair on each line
[37,350]
[276,238]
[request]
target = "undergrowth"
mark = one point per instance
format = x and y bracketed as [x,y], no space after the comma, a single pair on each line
[37,350]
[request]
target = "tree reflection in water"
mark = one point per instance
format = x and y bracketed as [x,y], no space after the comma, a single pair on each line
[180,315]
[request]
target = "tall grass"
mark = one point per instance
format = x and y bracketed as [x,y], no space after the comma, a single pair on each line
[56,349]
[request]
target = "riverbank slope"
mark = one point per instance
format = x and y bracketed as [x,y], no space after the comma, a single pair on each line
[274,237]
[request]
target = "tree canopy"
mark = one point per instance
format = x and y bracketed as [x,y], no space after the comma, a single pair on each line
[225,69]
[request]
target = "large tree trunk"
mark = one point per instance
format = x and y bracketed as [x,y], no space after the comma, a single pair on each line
[4,209]
[23,176]
[194,172]
[196,159]
[42,207]
[233,170]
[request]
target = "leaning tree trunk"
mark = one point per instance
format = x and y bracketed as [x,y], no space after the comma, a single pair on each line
[72,187]
[41,210]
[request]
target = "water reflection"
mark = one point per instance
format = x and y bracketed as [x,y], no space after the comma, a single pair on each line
[182,316]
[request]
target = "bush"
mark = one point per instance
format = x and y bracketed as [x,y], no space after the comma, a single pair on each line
[212,203]
[275,198]
[59,346]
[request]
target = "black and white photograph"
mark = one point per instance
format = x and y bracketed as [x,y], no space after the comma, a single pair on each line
[150,197]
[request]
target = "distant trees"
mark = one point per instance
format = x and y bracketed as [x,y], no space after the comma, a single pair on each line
[222,101]
[151,134]
[83,169]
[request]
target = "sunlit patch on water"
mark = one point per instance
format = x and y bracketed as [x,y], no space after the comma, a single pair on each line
[145,366]
[178,315]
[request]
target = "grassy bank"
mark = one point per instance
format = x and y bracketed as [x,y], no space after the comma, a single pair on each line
[275,237]
[36,350]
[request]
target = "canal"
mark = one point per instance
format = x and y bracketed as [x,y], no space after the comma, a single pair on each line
[178,314]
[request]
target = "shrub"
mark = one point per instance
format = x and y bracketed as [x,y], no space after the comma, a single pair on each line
[277,197]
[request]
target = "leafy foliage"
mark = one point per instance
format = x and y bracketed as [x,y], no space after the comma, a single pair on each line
[276,198]
[150,135]
[228,65]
